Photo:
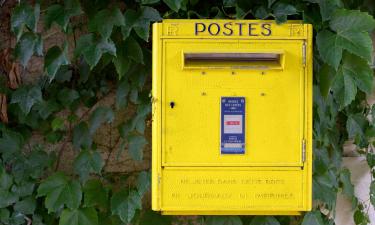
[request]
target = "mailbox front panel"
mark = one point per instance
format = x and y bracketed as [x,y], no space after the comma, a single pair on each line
[265,82]
[273,97]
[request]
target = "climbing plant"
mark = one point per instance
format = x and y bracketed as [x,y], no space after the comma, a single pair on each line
[104,50]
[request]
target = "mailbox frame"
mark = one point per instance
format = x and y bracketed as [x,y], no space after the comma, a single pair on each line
[170,30]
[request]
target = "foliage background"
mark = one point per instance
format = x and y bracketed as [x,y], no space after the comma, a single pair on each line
[75,108]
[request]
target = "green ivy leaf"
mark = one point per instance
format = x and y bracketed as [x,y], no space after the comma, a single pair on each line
[54,59]
[151,217]
[28,45]
[223,220]
[353,20]
[327,7]
[136,145]
[264,220]
[60,191]
[354,126]
[139,21]
[313,218]
[352,29]
[88,162]
[129,50]
[361,72]
[347,186]
[37,220]
[26,97]
[134,50]
[360,217]
[372,193]
[95,194]
[147,2]
[175,5]
[17,219]
[326,76]
[143,182]
[261,13]
[353,73]
[46,108]
[121,94]
[37,162]
[134,95]
[23,189]
[82,216]
[4,216]
[281,10]
[370,157]
[344,88]
[126,128]
[101,115]
[6,180]
[7,198]
[93,48]
[26,206]
[81,136]
[121,61]
[57,124]
[321,161]
[124,205]
[104,21]
[61,14]
[324,189]
[328,48]
[24,15]
[67,96]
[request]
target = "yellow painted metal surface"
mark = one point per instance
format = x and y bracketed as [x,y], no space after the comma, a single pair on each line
[270,66]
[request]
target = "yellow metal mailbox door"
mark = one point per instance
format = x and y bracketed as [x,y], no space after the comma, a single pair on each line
[273,103]
[231,119]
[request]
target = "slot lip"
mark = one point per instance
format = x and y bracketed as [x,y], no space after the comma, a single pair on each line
[232,57]
[264,59]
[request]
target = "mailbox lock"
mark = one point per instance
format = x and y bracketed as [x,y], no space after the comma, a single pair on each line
[172,104]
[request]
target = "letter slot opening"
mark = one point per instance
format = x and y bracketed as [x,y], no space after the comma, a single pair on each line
[233,60]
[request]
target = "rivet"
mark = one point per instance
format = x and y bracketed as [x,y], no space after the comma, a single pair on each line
[263,73]
[262,94]
[233,73]
[204,94]
[203,73]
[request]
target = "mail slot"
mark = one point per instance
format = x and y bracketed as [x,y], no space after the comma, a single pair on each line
[231,117]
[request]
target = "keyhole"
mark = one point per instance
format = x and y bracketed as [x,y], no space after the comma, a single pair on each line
[172,104]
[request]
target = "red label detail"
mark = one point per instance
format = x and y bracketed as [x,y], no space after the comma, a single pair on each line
[232,122]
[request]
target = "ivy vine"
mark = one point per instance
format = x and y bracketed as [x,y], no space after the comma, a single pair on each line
[105,51]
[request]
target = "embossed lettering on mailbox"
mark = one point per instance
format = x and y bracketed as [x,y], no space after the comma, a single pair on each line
[232,117]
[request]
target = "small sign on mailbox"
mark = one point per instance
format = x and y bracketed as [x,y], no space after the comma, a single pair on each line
[232,125]
[232,117]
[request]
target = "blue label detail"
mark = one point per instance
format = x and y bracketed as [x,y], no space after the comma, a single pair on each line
[232,125]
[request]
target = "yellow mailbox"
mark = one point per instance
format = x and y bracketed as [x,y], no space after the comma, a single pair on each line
[232,117]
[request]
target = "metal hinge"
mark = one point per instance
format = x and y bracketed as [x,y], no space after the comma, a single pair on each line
[159,191]
[303,150]
[304,53]
[159,179]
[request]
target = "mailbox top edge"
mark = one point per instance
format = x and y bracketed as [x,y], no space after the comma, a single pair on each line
[226,28]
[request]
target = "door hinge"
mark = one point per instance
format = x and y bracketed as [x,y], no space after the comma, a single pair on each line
[159,190]
[304,53]
[303,151]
